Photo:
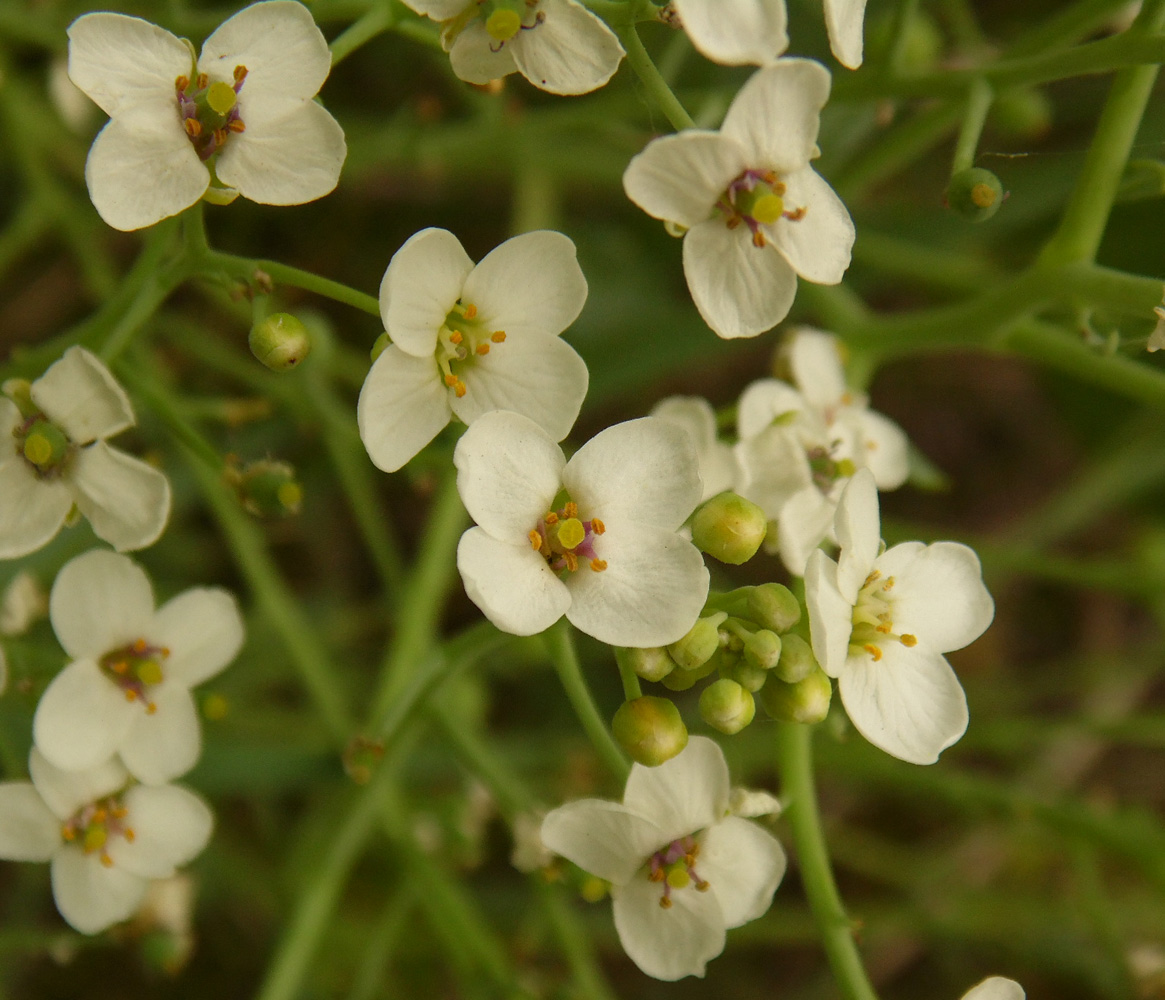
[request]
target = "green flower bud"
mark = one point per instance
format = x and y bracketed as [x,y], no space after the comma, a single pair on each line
[727,706]
[806,702]
[773,606]
[1023,113]
[681,680]
[729,528]
[797,660]
[650,729]
[652,664]
[762,649]
[281,341]
[975,194]
[268,489]
[702,640]
[747,675]
[19,390]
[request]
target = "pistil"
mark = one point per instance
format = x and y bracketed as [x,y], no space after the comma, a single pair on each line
[93,826]
[563,538]
[756,198]
[210,111]
[675,867]
[135,669]
[461,339]
[873,623]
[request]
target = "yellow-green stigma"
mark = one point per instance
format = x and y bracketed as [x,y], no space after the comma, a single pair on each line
[503,24]
[43,445]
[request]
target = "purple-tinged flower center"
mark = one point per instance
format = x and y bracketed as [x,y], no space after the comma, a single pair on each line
[43,445]
[563,539]
[873,618]
[827,470]
[505,18]
[92,827]
[461,340]
[756,198]
[675,866]
[209,112]
[135,669]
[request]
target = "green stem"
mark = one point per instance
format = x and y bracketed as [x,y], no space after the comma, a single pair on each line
[795,761]
[244,269]
[370,976]
[899,33]
[148,301]
[974,118]
[632,689]
[560,644]
[640,61]
[375,22]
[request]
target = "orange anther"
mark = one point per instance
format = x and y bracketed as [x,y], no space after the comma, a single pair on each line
[874,651]
[107,860]
[598,565]
[130,695]
[664,903]
[551,518]
[203,81]
[120,667]
[483,348]
[240,73]
[656,875]
[758,239]
[151,708]
[193,127]
[236,125]
[68,833]
[498,336]
[571,561]
[100,816]
[796,215]
[570,509]
[597,526]
[165,650]
[451,380]
[535,540]
[456,337]
[909,640]
[220,136]
[182,82]
[889,584]
[140,646]
[459,388]
[128,834]
[470,311]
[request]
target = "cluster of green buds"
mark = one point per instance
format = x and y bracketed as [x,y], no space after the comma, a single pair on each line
[266,488]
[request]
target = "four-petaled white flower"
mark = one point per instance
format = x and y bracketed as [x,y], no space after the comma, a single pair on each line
[718,467]
[558,45]
[127,690]
[995,988]
[881,620]
[239,120]
[59,424]
[799,446]
[843,21]
[105,841]
[594,538]
[756,214]
[683,868]
[469,339]
[735,32]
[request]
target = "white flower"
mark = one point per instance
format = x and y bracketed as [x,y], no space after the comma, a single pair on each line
[996,988]
[558,45]
[127,690]
[60,458]
[734,32]
[843,21]
[757,215]
[105,841]
[469,339]
[23,603]
[682,868]
[594,538]
[880,622]
[718,468]
[239,120]
[799,446]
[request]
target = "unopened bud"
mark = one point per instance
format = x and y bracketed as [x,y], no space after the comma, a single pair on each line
[652,664]
[797,660]
[806,702]
[774,606]
[729,528]
[19,390]
[762,649]
[727,706]
[268,489]
[975,194]
[650,729]
[747,675]
[280,341]
[702,640]
[1023,113]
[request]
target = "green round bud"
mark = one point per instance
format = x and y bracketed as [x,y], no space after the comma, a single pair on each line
[681,680]
[729,528]
[806,702]
[762,649]
[797,660]
[727,706]
[921,46]
[774,606]
[652,664]
[281,342]
[650,729]
[1023,113]
[269,489]
[975,194]
[702,640]
[747,675]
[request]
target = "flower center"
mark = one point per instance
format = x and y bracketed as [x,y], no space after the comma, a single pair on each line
[210,111]
[505,18]
[827,470]
[94,825]
[563,539]
[135,669]
[461,340]
[756,198]
[873,618]
[675,867]
[43,445]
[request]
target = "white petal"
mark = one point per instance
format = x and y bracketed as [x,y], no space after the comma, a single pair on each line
[90,896]
[735,32]
[719,470]
[82,717]
[938,593]
[203,631]
[421,286]
[141,171]
[843,21]
[28,829]
[859,533]
[32,510]
[909,703]
[774,117]
[752,803]
[286,160]
[64,792]
[513,585]
[668,943]
[603,838]
[403,405]
[763,401]
[438,10]
[171,827]
[683,795]
[540,377]
[165,744]
[285,54]
[744,864]
[802,525]
[995,988]
[638,472]
[126,501]
[81,396]
[571,52]
[883,447]
[817,245]
[740,289]
[830,614]
[679,178]
[815,361]
[651,592]
[100,601]
[124,62]
[508,474]
[775,469]
[530,285]
[474,58]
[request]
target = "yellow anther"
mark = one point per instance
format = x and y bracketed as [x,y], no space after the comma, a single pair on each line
[140,646]
[768,208]
[597,526]
[482,348]
[498,336]
[130,695]
[106,860]
[129,834]
[551,518]
[151,708]
[889,584]
[678,878]
[535,540]
[885,628]
[873,650]
[598,565]
[502,25]
[455,337]
[470,311]
[908,639]
[459,389]
[664,903]
[570,509]
[874,575]
[221,97]
[571,532]
[571,561]
[451,380]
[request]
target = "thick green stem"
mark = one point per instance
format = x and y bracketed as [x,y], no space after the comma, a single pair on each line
[795,761]
[640,61]
[974,118]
